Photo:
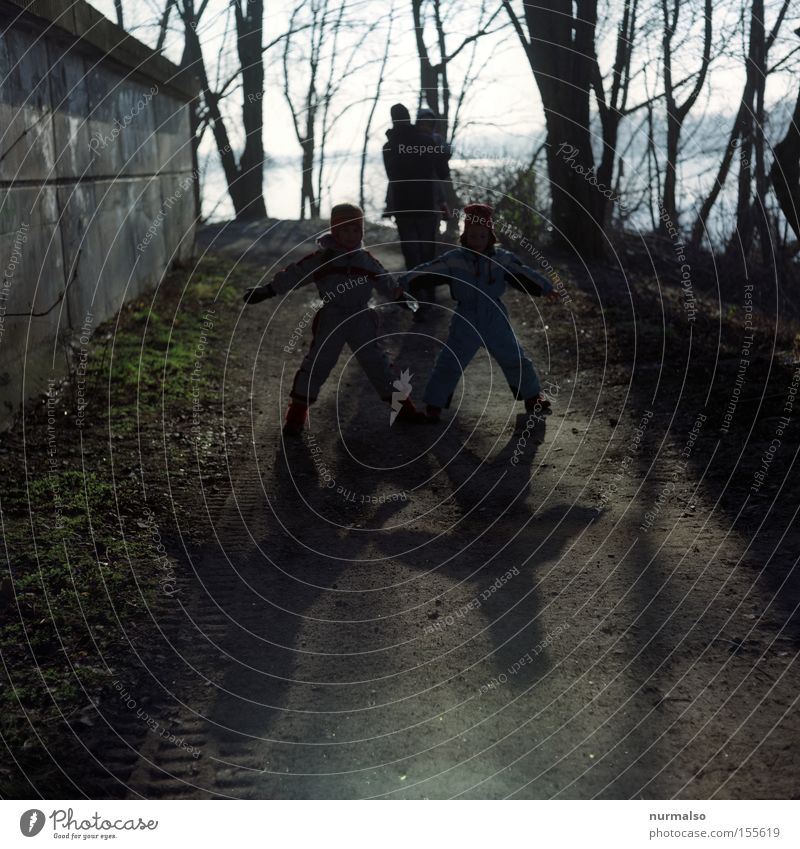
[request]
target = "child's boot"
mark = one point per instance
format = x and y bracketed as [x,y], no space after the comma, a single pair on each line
[537,404]
[410,414]
[296,417]
[433,413]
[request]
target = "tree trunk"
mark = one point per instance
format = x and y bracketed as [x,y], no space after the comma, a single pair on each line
[676,115]
[195,57]
[743,236]
[442,113]
[611,112]
[194,129]
[699,226]
[653,170]
[759,216]
[755,85]
[375,99]
[162,27]
[669,208]
[561,55]
[428,77]
[251,163]
[785,172]
[244,180]
[307,197]
[577,208]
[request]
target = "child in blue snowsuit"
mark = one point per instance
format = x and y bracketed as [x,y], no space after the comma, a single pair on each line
[477,273]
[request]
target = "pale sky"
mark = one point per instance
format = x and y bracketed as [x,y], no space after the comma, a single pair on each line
[502,113]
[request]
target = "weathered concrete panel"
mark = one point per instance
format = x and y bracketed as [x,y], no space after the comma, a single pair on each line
[70,100]
[121,124]
[178,214]
[32,280]
[133,255]
[81,245]
[32,262]
[173,134]
[115,44]
[140,142]
[96,187]
[26,134]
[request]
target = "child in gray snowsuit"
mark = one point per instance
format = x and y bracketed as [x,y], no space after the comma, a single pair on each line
[345,275]
[477,273]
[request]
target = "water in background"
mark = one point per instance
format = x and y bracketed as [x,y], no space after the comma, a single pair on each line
[282,186]
[341,183]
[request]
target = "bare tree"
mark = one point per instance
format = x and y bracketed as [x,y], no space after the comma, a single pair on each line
[435,92]
[319,77]
[613,110]
[653,168]
[561,50]
[434,83]
[751,129]
[249,32]
[785,172]
[164,23]
[304,117]
[743,121]
[245,178]
[373,107]
[676,114]
[751,211]
[327,98]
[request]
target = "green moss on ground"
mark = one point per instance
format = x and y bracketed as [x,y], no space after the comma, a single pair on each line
[83,566]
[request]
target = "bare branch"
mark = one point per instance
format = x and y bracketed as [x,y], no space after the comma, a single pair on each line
[474,37]
[777,25]
[683,111]
[515,22]
[162,27]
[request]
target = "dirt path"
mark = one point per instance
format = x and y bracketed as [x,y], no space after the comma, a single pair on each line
[395,612]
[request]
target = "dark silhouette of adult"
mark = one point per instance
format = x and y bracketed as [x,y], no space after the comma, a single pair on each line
[414,164]
[426,123]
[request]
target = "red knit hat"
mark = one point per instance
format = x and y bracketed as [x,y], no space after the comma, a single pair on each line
[480,215]
[346,213]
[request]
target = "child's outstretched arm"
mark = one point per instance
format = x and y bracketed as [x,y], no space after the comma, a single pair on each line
[523,277]
[383,281]
[295,274]
[435,272]
[257,294]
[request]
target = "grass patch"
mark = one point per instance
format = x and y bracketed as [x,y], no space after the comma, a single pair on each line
[84,571]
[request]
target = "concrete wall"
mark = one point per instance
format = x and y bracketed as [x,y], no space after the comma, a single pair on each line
[96,181]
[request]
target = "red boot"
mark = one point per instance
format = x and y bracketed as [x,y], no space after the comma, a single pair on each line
[538,404]
[433,413]
[410,414]
[296,417]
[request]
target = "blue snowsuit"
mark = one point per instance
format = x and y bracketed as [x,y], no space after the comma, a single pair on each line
[480,320]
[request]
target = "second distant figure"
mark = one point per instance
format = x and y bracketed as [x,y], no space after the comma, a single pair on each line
[415,162]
